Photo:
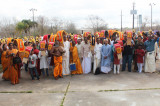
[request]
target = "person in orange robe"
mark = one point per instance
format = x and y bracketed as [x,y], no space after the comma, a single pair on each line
[4,61]
[74,58]
[19,65]
[57,51]
[13,68]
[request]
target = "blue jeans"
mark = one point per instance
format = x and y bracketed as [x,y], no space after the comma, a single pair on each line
[44,72]
[26,67]
[127,58]
[35,70]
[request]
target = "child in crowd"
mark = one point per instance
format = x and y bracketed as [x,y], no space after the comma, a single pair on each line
[116,63]
[43,60]
[116,60]
[140,53]
[32,65]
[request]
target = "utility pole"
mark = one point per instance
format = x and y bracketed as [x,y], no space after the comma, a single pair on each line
[137,22]
[151,4]
[51,28]
[33,10]
[121,21]
[133,14]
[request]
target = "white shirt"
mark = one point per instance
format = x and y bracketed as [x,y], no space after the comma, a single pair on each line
[66,48]
[79,46]
[43,60]
[97,51]
[85,50]
[32,61]
[112,42]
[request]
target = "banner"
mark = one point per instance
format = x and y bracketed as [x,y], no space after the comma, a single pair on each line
[50,45]
[118,48]
[21,47]
[42,44]
[27,51]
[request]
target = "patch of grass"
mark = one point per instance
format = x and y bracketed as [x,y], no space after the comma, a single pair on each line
[65,94]
[111,90]
[16,92]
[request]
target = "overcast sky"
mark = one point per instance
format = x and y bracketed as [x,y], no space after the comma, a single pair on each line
[78,10]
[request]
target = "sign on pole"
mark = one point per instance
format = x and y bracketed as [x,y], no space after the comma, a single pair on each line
[140,19]
[133,12]
[140,22]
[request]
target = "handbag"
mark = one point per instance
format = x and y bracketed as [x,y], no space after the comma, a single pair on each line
[73,67]
[17,60]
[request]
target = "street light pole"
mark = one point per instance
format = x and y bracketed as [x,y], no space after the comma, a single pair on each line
[33,10]
[151,4]
[121,21]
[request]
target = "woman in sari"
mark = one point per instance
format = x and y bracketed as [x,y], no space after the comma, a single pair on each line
[74,58]
[4,62]
[13,68]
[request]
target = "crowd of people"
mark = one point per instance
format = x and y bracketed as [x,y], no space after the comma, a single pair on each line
[81,57]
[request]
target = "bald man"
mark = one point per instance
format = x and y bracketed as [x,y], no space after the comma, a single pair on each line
[106,57]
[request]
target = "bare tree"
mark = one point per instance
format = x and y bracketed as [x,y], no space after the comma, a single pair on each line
[42,25]
[56,24]
[7,27]
[145,24]
[156,25]
[70,27]
[96,23]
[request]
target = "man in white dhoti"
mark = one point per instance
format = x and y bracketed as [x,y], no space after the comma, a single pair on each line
[97,55]
[65,57]
[149,65]
[79,46]
[106,57]
[86,57]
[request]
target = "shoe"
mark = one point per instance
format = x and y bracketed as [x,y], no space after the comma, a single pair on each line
[56,78]
[60,76]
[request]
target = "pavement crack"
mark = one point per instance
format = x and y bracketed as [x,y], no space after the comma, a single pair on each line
[62,102]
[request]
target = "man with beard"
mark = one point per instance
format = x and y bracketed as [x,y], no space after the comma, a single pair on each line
[150,54]
[65,61]
[97,55]
[86,57]
[57,52]
[79,46]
